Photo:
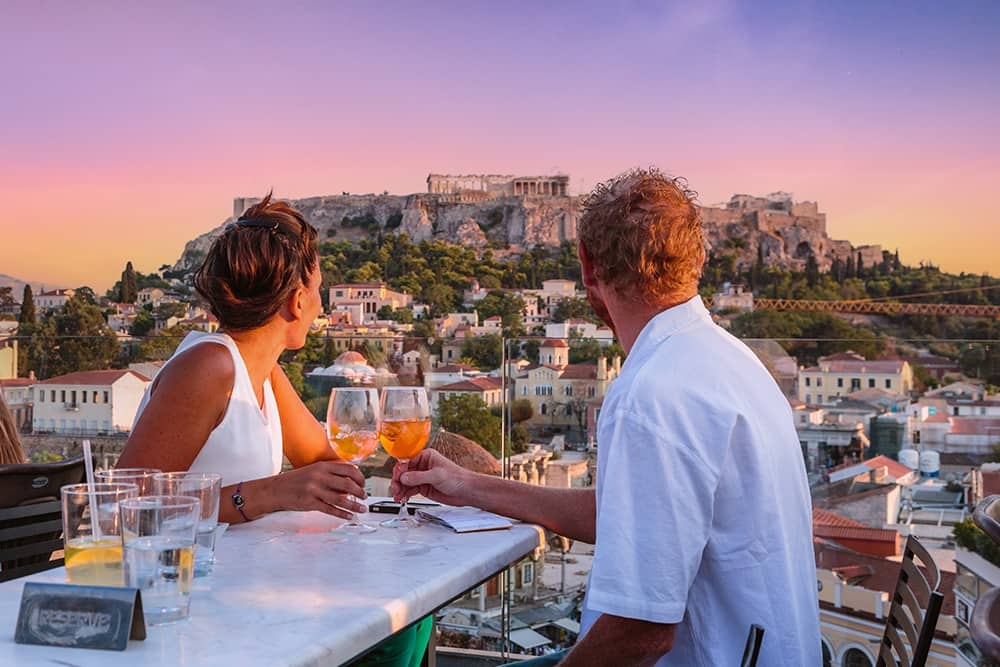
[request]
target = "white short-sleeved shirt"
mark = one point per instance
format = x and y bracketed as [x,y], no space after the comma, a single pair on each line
[704,517]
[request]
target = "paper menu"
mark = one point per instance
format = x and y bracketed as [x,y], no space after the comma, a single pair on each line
[464,519]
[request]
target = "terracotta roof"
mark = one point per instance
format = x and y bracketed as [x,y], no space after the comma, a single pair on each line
[351,357]
[553,342]
[579,372]
[452,368]
[843,356]
[827,518]
[975,426]
[473,384]
[879,366]
[17,382]
[885,572]
[105,377]
[937,419]
[895,468]
[851,533]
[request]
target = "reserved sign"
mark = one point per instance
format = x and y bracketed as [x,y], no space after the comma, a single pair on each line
[100,617]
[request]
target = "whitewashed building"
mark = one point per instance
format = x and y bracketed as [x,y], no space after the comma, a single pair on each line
[88,402]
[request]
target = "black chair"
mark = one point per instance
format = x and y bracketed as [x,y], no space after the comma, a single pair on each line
[916,605]
[987,517]
[31,515]
[751,650]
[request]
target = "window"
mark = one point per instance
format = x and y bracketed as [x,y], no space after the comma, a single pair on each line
[527,573]
[95,398]
[808,381]
[569,410]
[855,657]
[105,397]
[72,397]
[52,395]
[524,390]
[544,409]
[569,390]
[819,382]
[888,384]
[982,411]
[803,418]
[840,382]
[955,411]
[819,398]
[871,383]
[106,425]
[809,398]
[855,384]
[591,392]
[83,395]
[41,397]
[62,395]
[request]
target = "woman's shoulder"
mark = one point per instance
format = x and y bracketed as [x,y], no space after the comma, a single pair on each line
[203,368]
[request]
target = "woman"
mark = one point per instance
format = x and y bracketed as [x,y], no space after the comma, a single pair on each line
[10,441]
[222,403]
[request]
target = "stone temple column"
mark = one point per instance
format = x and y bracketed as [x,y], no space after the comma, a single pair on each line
[532,476]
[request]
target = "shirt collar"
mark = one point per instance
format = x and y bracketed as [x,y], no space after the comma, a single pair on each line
[669,322]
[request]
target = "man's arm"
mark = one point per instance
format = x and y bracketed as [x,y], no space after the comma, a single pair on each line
[568,512]
[614,640]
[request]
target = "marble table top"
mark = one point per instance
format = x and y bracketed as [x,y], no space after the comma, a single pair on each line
[288,591]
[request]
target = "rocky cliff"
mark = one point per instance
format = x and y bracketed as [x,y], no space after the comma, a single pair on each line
[787,233]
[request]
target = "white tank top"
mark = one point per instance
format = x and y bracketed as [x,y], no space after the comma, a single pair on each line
[247,442]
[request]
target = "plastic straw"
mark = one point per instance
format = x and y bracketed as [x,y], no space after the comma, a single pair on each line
[88,463]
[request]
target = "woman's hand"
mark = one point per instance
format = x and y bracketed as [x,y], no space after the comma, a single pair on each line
[322,486]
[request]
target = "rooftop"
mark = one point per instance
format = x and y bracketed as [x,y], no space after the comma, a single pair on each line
[106,377]
[553,342]
[479,384]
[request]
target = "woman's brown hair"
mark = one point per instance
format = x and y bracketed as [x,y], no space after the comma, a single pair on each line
[256,265]
[10,441]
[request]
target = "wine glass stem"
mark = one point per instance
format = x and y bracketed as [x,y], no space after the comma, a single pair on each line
[402,507]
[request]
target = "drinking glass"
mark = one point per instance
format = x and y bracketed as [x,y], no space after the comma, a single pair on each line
[92,532]
[352,424]
[404,427]
[158,536]
[206,487]
[141,477]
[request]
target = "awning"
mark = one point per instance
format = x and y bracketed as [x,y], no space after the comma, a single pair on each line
[567,624]
[528,638]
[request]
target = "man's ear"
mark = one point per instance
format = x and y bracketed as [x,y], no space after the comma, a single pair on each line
[586,267]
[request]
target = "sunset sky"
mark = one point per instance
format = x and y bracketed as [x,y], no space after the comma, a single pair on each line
[126,131]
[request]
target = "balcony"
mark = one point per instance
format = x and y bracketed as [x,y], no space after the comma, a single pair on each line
[71,407]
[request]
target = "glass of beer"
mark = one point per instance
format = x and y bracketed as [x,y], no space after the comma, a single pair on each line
[158,536]
[141,477]
[404,429]
[352,427]
[92,532]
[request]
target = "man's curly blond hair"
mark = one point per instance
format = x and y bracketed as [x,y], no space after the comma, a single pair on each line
[642,233]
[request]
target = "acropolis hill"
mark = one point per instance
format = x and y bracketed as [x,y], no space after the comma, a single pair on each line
[511,213]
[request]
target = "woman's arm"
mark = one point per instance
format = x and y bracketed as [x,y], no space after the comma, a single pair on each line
[187,401]
[303,436]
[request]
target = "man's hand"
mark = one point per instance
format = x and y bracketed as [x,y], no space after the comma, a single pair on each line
[433,476]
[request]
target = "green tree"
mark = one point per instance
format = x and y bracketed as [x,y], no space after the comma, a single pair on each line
[573,309]
[467,414]
[521,410]
[485,351]
[83,341]
[583,350]
[129,290]
[142,324]
[812,270]
[27,315]
[509,307]
[163,344]
[440,298]
[519,439]
[6,297]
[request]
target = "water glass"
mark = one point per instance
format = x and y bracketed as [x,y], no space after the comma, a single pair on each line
[141,477]
[92,532]
[206,487]
[158,534]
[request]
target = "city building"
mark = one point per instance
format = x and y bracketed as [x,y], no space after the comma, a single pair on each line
[18,395]
[732,297]
[561,393]
[8,358]
[46,301]
[575,328]
[371,297]
[487,388]
[88,402]
[840,374]
[974,577]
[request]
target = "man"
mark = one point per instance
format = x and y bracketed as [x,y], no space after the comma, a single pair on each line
[701,518]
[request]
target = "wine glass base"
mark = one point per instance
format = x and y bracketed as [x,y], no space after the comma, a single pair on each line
[355,527]
[400,522]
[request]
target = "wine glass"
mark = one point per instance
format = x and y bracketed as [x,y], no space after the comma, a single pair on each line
[352,428]
[403,429]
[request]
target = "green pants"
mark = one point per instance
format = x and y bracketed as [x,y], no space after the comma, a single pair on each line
[406,648]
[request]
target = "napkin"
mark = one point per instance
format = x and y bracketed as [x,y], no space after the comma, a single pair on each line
[464,519]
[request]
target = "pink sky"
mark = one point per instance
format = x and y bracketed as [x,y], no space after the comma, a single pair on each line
[128,131]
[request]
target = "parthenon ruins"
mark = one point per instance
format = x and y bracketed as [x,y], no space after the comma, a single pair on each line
[499,185]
